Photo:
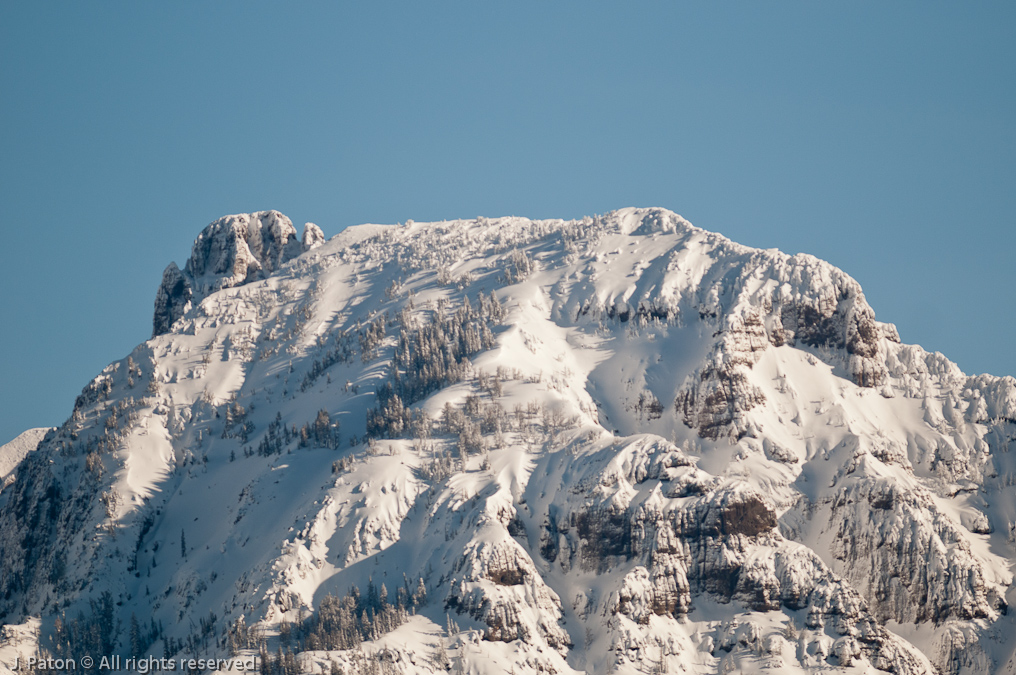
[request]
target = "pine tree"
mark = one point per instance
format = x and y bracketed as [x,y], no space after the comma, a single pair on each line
[137,642]
[443,662]
[265,659]
[420,595]
[183,544]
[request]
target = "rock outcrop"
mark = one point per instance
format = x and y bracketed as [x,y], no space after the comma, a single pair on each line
[231,251]
[172,300]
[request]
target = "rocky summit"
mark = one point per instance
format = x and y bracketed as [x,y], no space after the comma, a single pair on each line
[231,251]
[620,444]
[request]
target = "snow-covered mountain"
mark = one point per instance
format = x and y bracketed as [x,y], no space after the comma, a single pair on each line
[616,444]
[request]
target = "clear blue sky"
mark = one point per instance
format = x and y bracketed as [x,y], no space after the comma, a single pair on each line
[879,137]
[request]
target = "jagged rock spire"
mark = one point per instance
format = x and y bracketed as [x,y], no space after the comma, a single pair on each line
[231,251]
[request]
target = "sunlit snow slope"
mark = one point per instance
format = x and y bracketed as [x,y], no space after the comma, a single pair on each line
[618,444]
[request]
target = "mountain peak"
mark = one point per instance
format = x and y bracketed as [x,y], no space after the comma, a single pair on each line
[231,251]
[609,444]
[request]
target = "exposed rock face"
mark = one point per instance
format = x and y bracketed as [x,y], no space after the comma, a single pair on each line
[497,584]
[312,236]
[714,403]
[172,300]
[722,544]
[238,249]
[231,251]
[880,526]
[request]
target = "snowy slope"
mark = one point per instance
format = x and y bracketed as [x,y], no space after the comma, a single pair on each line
[13,452]
[618,444]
